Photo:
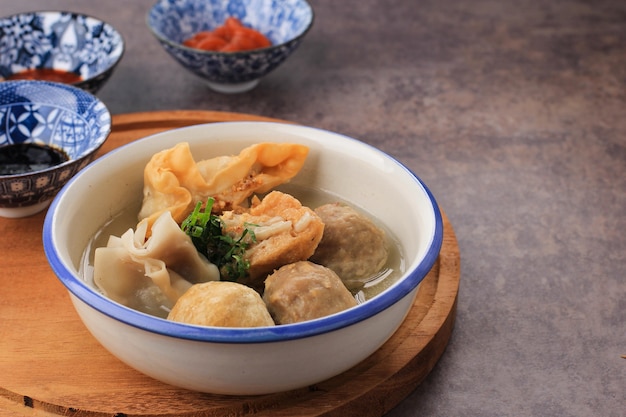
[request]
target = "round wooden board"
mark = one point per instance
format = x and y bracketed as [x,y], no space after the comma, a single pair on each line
[50,365]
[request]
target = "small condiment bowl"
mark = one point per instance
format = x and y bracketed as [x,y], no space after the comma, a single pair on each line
[55,115]
[246,361]
[59,46]
[285,23]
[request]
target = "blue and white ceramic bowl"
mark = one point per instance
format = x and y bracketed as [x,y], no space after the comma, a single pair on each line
[53,114]
[63,41]
[285,23]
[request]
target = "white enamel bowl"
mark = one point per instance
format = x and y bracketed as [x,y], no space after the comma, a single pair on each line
[252,360]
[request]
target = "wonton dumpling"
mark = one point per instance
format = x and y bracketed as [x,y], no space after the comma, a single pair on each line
[285,231]
[174,181]
[222,304]
[150,275]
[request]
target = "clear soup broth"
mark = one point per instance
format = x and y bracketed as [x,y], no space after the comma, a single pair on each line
[310,197]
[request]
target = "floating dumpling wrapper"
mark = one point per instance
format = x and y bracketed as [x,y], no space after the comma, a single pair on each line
[175,182]
[151,274]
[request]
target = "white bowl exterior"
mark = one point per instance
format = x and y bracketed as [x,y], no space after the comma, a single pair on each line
[24,211]
[243,369]
[400,203]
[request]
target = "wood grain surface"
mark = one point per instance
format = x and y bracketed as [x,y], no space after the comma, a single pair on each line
[50,365]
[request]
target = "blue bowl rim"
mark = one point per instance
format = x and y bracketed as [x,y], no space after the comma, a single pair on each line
[268,334]
[157,34]
[63,11]
[101,138]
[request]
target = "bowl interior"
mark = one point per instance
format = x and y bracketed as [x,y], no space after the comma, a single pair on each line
[59,40]
[281,22]
[53,114]
[343,166]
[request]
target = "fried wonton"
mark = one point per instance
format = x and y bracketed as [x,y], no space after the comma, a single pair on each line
[285,232]
[175,182]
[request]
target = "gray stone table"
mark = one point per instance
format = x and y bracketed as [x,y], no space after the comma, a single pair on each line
[514,114]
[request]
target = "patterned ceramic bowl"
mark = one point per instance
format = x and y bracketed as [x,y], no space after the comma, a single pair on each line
[54,117]
[59,46]
[285,23]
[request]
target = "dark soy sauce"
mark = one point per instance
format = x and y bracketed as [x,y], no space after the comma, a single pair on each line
[21,158]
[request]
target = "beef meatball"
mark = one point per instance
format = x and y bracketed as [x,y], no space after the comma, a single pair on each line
[304,291]
[352,245]
[222,304]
